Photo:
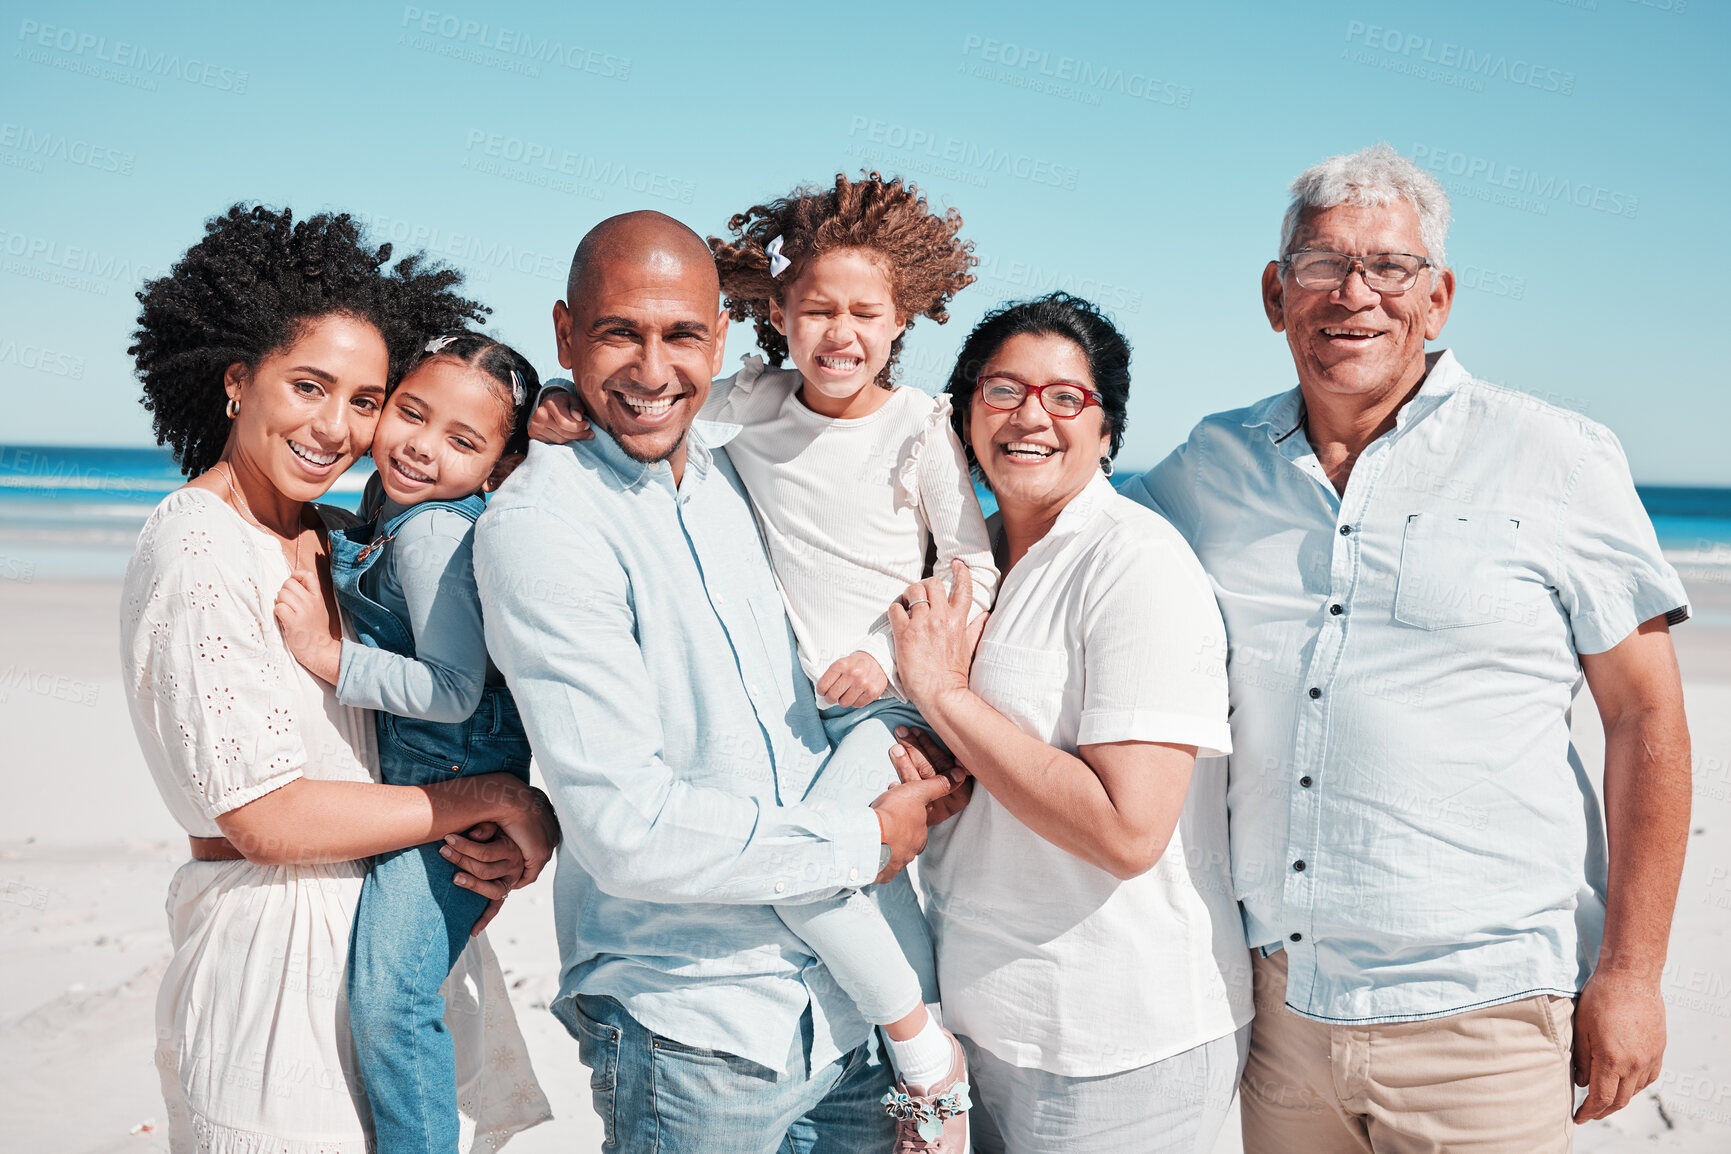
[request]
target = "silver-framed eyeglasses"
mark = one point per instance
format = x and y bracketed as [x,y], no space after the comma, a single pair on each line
[1384,272]
[1062,400]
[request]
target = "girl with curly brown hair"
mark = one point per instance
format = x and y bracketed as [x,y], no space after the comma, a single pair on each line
[856,483]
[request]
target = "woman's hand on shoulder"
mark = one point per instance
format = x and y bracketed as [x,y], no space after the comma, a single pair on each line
[934,639]
[559,419]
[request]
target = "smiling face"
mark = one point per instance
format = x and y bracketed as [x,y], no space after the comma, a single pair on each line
[1356,342]
[839,319]
[441,433]
[643,339]
[308,411]
[1031,458]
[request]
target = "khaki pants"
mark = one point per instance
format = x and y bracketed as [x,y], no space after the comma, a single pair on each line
[1486,1081]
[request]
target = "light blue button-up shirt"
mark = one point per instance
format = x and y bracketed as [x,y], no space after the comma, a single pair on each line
[640,630]
[1409,819]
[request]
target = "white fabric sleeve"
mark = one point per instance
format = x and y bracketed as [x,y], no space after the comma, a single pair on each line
[1154,647]
[212,679]
[935,478]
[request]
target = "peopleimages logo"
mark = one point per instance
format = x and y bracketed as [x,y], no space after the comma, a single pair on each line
[1070,76]
[1524,188]
[36,147]
[589,171]
[462,246]
[78,267]
[1461,58]
[127,57]
[965,156]
[516,42]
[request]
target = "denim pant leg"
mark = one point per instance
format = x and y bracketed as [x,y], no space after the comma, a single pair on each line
[652,1093]
[860,934]
[411,924]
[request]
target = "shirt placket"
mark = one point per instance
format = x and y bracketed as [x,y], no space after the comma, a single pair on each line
[1307,863]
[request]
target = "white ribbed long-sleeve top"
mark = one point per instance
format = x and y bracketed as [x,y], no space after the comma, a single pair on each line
[850,507]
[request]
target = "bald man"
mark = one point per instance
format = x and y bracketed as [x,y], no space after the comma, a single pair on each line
[630,604]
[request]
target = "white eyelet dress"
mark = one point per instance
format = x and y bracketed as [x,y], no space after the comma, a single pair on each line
[252,1034]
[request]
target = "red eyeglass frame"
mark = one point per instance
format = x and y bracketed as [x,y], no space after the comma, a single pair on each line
[1090,396]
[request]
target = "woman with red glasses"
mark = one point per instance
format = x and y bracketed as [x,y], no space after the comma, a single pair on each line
[1089,950]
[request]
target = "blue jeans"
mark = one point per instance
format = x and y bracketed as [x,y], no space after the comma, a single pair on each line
[875,941]
[412,922]
[656,1096]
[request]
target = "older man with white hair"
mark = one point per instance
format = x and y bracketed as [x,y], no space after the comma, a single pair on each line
[1416,570]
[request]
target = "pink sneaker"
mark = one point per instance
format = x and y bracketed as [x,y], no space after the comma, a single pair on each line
[933,1120]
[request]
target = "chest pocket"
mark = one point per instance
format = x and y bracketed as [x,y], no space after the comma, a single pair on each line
[1455,571]
[1025,685]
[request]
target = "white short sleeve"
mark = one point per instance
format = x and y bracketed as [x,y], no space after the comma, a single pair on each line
[207,682]
[1154,646]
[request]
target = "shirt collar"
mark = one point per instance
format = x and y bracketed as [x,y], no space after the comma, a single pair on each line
[1283,414]
[1076,516]
[701,440]
[1442,376]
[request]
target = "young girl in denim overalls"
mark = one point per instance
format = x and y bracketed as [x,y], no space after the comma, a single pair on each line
[451,430]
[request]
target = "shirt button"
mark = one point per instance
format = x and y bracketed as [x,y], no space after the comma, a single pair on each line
[780,887]
[1298,865]
[1346,530]
[853,875]
[1315,693]
[1296,937]
[1336,609]
[1305,781]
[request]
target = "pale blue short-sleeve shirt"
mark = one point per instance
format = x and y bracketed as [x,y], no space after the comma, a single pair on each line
[1409,818]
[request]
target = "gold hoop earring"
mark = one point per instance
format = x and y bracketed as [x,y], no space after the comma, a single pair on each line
[233,409]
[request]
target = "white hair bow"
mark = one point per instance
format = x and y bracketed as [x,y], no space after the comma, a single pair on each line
[777,263]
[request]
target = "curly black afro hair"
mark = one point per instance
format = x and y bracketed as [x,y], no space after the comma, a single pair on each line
[248,289]
[927,262]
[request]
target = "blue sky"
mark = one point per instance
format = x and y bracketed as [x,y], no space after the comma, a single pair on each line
[1138,154]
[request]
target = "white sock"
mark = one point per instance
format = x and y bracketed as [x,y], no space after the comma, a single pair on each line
[924,1058]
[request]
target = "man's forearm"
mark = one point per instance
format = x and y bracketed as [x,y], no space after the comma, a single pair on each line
[1647,796]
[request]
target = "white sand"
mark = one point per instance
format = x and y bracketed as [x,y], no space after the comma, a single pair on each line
[86,851]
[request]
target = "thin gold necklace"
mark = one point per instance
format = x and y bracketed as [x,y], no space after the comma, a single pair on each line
[246,511]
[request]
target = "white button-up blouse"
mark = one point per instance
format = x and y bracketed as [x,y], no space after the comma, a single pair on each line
[1105,631]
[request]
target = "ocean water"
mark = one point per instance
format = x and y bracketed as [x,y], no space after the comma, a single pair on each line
[75,511]
[72,511]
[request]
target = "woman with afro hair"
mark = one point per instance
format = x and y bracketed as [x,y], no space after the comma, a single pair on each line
[266,354]
[856,483]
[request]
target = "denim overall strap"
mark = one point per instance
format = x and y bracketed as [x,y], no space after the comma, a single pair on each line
[356,550]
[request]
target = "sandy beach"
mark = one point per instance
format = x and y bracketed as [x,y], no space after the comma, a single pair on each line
[87,849]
